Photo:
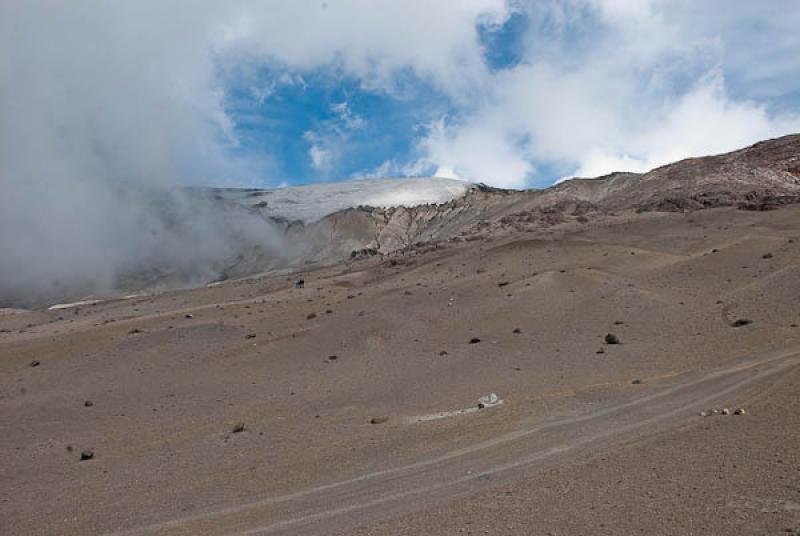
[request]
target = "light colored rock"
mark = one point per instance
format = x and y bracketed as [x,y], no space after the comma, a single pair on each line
[489,400]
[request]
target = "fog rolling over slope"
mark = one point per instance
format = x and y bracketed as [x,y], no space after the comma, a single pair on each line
[95,241]
[62,241]
[98,239]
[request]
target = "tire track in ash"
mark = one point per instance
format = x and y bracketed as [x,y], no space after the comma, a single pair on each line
[469,469]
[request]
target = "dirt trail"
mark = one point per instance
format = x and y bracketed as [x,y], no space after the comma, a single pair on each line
[470,469]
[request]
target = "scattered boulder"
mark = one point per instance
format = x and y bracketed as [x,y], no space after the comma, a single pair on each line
[88,404]
[87,455]
[443,353]
[300,283]
[503,283]
[34,363]
[238,428]
[739,322]
[601,351]
[474,340]
[610,338]
[517,330]
[378,420]
[311,316]
[766,256]
[134,331]
[739,411]
[725,411]
[188,315]
[637,381]
[250,336]
[333,357]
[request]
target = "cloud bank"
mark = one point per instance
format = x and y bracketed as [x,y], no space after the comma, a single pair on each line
[107,107]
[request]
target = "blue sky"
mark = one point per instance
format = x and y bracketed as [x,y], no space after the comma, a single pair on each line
[514,93]
[691,69]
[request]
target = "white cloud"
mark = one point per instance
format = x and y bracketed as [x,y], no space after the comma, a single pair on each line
[643,90]
[98,98]
[329,141]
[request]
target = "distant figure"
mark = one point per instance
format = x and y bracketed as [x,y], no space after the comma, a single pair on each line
[300,283]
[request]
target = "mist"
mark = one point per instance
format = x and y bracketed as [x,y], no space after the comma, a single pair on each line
[106,112]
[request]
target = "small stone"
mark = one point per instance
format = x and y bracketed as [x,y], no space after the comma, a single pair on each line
[637,381]
[238,427]
[739,411]
[766,256]
[517,330]
[189,316]
[443,353]
[87,455]
[474,340]
[601,351]
[725,411]
[134,331]
[612,339]
[739,322]
[502,283]
[378,420]
[88,404]
[704,414]
[333,357]
[34,363]
[311,316]
[251,336]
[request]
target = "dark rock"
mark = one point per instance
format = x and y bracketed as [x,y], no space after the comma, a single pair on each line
[311,316]
[612,339]
[502,283]
[600,351]
[250,336]
[88,404]
[134,331]
[333,357]
[34,363]
[87,455]
[378,420]
[474,340]
[517,330]
[188,316]
[238,427]
[766,256]
[443,353]
[739,322]
[637,382]
[300,283]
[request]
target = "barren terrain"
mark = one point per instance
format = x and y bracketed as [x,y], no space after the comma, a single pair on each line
[350,392]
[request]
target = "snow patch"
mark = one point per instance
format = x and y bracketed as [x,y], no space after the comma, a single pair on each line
[315,201]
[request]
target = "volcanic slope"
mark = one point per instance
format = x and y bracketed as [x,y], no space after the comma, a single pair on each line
[356,394]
